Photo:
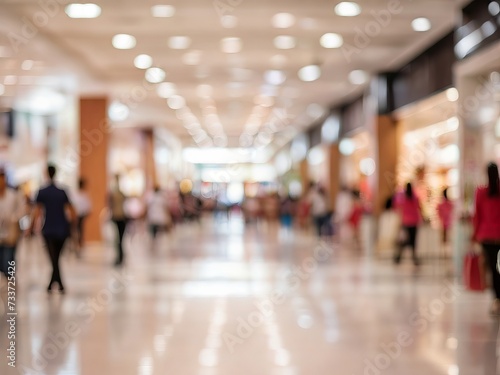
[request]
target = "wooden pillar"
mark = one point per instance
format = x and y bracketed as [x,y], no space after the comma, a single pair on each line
[150,165]
[94,134]
[388,139]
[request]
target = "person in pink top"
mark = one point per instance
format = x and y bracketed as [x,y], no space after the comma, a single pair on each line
[409,208]
[487,227]
[445,214]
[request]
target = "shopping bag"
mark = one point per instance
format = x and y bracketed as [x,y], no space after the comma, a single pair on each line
[473,272]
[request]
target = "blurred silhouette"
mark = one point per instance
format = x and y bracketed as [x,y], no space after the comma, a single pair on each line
[55,204]
[11,211]
[83,206]
[487,227]
[411,216]
[157,213]
[319,209]
[445,214]
[118,216]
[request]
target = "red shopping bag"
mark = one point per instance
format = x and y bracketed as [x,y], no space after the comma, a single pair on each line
[473,272]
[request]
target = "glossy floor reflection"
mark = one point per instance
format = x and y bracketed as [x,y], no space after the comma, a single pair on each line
[218,298]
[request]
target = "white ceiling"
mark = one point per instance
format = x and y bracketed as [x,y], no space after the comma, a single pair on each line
[78,55]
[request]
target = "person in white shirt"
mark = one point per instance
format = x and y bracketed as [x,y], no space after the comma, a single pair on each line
[11,211]
[157,214]
[319,209]
[83,206]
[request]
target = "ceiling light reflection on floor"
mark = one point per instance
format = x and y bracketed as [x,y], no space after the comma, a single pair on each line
[229,21]
[166,90]
[179,42]
[231,45]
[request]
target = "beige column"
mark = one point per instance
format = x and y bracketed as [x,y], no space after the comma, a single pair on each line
[93,160]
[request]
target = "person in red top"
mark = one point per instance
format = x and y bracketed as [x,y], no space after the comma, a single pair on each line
[409,208]
[487,227]
[445,213]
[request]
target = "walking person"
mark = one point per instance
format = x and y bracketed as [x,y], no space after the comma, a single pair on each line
[157,213]
[11,211]
[487,227]
[118,216]
[319,209]
[83,206]
[411,216]
[53,203]
[445,214]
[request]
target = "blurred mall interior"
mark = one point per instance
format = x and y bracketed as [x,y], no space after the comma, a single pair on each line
[233,182]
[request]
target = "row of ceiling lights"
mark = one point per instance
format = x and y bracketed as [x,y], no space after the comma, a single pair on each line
[280,20]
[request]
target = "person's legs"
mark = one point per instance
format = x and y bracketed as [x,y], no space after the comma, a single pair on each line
[412,242]
[120,226]
[402,243]
[54,253]
[491,253]
[79,230]
[3,260]
[318,222]
[58,247]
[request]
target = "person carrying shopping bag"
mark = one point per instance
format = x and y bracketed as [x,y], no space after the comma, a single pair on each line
[11,211]
[487,228]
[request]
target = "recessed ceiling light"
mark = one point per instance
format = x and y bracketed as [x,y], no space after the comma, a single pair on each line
[283,20]
[179,42]
[166,89]
[275,77]
[155,75]
[2,89]
[358,77]
[347,9]
[230,45]
[452,94]
[192,57]
[176,102]
[118,111]
[310,73]
[163,11]
[143,61]
[229,21]
[284,42]
[10,80]
[494,8]
[88,10]
[124,41]
[421,24]
[27,65]
[331,40]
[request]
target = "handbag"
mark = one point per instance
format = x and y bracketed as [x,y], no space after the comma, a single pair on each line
[474,278]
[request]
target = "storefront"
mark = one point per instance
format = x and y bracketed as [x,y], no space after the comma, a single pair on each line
[429,154]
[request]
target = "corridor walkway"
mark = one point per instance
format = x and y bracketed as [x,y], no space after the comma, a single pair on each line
[224,299]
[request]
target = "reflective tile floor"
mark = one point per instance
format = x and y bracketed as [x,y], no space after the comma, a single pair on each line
[223,299]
